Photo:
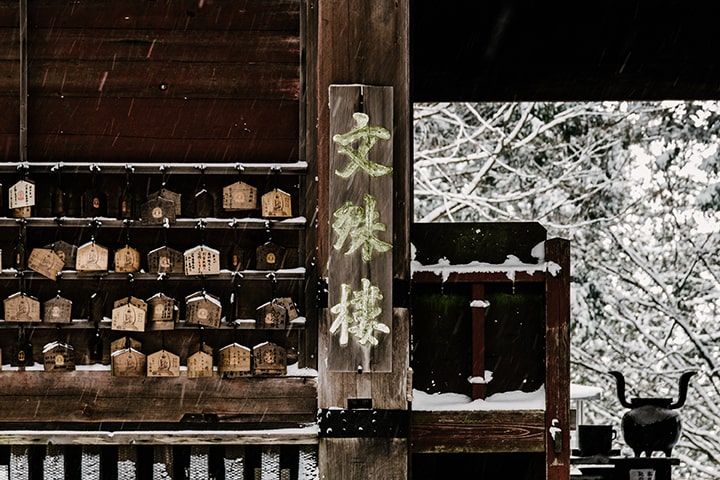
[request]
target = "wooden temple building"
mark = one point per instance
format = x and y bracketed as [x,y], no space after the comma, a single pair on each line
[187,177]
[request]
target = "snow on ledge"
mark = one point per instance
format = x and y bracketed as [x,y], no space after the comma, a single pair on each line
[510,266]
[515,400]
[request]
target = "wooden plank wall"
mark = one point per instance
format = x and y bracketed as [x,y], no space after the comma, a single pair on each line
[154,81]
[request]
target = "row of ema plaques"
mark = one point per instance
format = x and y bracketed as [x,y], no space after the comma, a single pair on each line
[127,360]
[159,312]
[163,205]
[201,260]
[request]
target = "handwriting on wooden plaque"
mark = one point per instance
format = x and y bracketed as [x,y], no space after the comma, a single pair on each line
[234,361]
[163,364]
[129,314]
[21,194]
[127,260]
[91,257]
[21,307]
[128,362]
[58,356]
[202,260]
[276,204]
[46,262]
[166,260]
[239,196]
[57,310]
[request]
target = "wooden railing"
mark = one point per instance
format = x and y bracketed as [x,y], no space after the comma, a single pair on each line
[287,454]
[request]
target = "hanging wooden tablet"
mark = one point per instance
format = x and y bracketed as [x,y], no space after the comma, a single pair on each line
[203,309]
[22,194]
[166,260]
[21,307]
[22,351]
[128,362]
[163,312]
[272,315]
[91,257]
[93,202]
[240,257]
[234,361]
[58,356]
[269,359]
[200,364]
[290,306]
[46,262]
[167,194]
[157,210]
[269,256]
[127,260]
[276,204]
[57,310]
[125,342]
[203,204]
[202,260]
[163,364]
[66,251]
[129,314]
[239,196]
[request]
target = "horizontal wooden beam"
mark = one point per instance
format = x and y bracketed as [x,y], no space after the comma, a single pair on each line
[281,436]
[519,276]
[477,431]
[100,397]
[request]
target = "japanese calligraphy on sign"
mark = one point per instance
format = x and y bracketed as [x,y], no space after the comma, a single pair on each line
[359,224]
[358,316]
[367,137]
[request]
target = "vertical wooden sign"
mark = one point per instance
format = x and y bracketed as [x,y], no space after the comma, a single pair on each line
[360,260]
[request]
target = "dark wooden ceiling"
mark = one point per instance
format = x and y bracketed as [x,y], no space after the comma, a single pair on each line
[564,50]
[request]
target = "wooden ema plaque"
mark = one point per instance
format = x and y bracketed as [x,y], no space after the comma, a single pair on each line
[22,353]
[200,364]
[46,262]
[91,257]
[270,359]
[276,204]
[22,195]
[125,342]
[157,211]
[21,308]
[93,203]
[166,194]
[240,258]
[127,260]
[290,307]
[202,308]
[272,315]
[58,356]
[163,312]
[202,260]
[66,251]
[163,364]
[129,314]
[128,362]
[239,196]
[234,361]
[269,256]
[57,310]
[166,260]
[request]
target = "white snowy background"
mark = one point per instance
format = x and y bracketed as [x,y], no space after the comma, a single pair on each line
[635,187]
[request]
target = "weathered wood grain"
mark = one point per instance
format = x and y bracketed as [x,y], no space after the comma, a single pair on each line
[557,358]
[346,268]
[363,458]
[223,15]
[86,397]
[477,431]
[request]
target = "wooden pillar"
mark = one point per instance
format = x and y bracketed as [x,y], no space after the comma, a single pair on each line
[557,361]
[363,44]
